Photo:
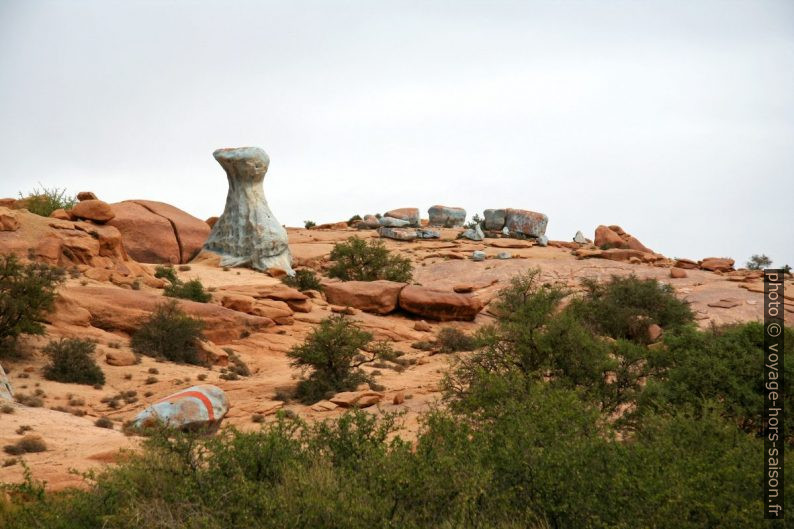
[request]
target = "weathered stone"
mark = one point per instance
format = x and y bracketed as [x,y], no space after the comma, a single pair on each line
[524,222]
[399,234]
[238,302]
[86,195]
[409,214]
[606,238]
[359,399]
[209,353]
[542,240]
[8,220]
[717,264]
[120,357]
[504,255]
[579,238]
[425,233]
[369,222]
[398,398]
[478,255]
[422,326]
[391,222]
[60,213]
[6,393]
[495,219]
[446,216]
[654,332]
[379,297]
[439,305]
[678,273]
[687,264]
[95,210]
[474,234]
[247,233]
[278,311]
[197,407]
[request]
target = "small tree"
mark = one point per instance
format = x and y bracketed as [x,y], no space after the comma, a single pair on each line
[304,279]
[44,201]
[170,334]
[759,262]
[357,260]
[72,361]
[27,292]
[334,352]
[309,224]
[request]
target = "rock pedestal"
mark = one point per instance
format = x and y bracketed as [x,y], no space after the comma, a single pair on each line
[247,234]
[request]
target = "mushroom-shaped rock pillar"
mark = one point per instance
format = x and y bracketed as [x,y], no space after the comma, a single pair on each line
[247,234]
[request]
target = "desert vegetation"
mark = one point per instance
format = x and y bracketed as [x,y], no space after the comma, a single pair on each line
[192,290]
[359,260]
[304,279]
[170,334]
[43,201]
[72,361]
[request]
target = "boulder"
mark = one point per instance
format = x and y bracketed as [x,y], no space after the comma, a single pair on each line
[95,210]
[120,357]
[369,222]
[409,214]
[247,233]
[478,255]
[358,399]
[278,311]
[8,221]
[654,332]
[379,297]
[398,398]
[504,255]
[238,302]
[61,213]
[211,354]
[391,222]
[473,234]
[606,238]
[579,238]
[6,393]
[524,222]
[426,233]
[494,219]
[438,305]
[446,216]
[542,240]
[717,264]
[201,407]
[678,273]
[86,195]
[422,326]
[687,264]
[155,232]
[398,234]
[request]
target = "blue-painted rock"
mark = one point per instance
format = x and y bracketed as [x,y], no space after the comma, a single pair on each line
[504,255]
[447,216]
[369,222]
[542,240]
[579,238]
[524,222]
[398,234]
[494,219]
[195,408]
[478,255]
[391,222]
[474,234]
[409,214]
[425,233]
[5,386]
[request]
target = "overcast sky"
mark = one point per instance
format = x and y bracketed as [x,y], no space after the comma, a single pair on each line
[674,119]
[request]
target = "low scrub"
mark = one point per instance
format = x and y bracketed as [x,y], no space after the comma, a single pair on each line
[333,354]
[72,361]
[192,290]
[304,279]
[451,340]
[359,260]
[46,200]
[169,334]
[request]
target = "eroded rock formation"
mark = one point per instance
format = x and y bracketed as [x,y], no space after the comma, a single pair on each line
[248,234]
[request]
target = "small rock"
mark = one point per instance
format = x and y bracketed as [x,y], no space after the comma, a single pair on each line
[422,326]
[654,332]
[6,392]
[86,195]
[390,222]
[579,238]
[504,255]
[398,398]
[425,233]
[277,272]
[463,288]
[478,255]
[9,221]
[120,357]
[506,231]
[212,354]
[324,405]
[728,303]
[399,234]
[60,213]
[93,209]
[361,399]
[678,273]
[474,234]
[542,240]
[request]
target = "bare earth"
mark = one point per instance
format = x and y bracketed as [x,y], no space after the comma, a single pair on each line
[75,443]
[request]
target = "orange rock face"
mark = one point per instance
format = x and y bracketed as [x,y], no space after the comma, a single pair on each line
[615,237]
[379,297]
[155,232]
[95,210]
[439,305]
[717,264]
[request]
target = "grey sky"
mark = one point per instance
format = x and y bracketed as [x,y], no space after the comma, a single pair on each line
[673,119]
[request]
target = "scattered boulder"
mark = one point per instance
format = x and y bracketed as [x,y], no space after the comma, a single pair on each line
[201,407]
[391,222]
[717,264]
[247,233]
[678,273]
[579,238]
[687,264]
[409,214]
[341,225]
[398,234]
[614,236]
[478,255]
[61,213]
[86,195]
[369,222]
[526,223]
[473,234]
[358,399]
[504,255]
[494,219]
[438,305]
[278,311]
[422,326]
[425,233]
[238,302]
[93,209]
[379,297]
[120,357]
[446,216]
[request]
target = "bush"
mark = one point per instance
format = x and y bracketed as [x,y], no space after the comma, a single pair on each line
[165,272]
[192,290]
[354,219]
[475,221]
[103,422]
[759,262]
[334,352]
[44,201]
[357,260]
[309,224]
[29,444]
[304,279]
[169,334]
[624,307]
[72,361]
[451,340]
[27,292]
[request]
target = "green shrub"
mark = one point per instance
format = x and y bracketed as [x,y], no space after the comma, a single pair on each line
[304,279]
[309,224]
[357,260]
[451,340]
[334,352]
[165,272]
[192,290]
[354,219]
[72,361]
[44,201]
[624,307]
[759,262]
[103,422]
[169,334]
[27,292]
[29,444]
[475,221]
